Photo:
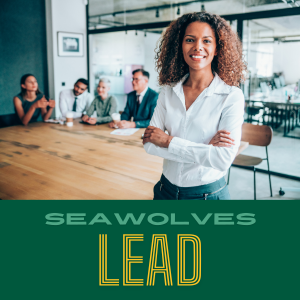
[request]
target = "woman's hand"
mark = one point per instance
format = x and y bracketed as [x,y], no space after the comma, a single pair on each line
[157,137]
[222,139]
[85,118]
[92,121]
[51,103]
[112,125]
[126,124]
[42,103]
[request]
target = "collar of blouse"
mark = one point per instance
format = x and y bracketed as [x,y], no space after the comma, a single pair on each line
[217,86]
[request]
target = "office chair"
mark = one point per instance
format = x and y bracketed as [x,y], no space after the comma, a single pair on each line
[277,83]
[256,135]
[9,120]
[282,81]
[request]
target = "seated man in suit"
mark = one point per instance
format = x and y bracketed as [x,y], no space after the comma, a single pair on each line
[140,103]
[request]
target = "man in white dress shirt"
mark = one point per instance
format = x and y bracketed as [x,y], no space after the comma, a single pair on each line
[77,100]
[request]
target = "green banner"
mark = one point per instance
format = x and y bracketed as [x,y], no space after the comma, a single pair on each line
[149,250]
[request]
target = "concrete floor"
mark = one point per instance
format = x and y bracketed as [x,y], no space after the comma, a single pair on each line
[284,157]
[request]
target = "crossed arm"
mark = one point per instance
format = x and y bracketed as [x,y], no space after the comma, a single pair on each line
[218,153]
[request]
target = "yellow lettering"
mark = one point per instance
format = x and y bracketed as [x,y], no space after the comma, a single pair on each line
[165,268]
[181,240]
[103,280]
[128,259]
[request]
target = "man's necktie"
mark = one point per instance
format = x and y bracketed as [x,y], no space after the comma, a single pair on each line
[75,104]
[137,103]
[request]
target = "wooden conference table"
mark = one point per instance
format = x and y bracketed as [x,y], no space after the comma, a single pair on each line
[52,161]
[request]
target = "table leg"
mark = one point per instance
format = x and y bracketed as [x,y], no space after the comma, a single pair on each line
[285,121]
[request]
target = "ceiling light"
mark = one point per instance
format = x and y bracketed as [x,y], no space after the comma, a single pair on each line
[145,34]
[178,10]
[136,32]
[202,8]
[157,13]
[291,3]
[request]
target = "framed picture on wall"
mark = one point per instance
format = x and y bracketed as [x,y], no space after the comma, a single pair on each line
[70,44]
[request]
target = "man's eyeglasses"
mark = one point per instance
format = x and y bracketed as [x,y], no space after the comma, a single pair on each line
[136,79]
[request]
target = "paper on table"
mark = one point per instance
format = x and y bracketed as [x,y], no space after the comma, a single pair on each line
[53,121]
[127,131]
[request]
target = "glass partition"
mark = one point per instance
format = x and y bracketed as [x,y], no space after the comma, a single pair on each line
[271,48]
[115,55]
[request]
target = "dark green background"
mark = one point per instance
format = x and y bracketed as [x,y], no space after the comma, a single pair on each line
[261,261]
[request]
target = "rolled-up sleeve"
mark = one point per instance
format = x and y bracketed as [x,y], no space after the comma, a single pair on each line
[92,107]
[113,109]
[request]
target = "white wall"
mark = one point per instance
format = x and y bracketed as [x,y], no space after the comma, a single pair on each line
[286,59]
[150,42]
[66,16]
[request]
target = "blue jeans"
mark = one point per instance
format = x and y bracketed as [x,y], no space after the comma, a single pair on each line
[165,190]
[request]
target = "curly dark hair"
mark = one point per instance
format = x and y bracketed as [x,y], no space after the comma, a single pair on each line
[229,63]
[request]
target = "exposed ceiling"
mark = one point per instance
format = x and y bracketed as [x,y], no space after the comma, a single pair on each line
[283,29]
[139,11]
[111,13]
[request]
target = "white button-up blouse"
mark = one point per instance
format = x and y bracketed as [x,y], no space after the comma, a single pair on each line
[189,160]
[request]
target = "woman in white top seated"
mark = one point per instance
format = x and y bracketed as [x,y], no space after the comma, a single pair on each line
[200,64]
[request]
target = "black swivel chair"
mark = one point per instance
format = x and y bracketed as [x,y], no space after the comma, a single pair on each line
[9,120]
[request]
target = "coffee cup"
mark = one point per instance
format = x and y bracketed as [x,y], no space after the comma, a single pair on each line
[69,117]
[116,118]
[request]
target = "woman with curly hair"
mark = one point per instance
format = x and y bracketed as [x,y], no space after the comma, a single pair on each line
[200,64]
